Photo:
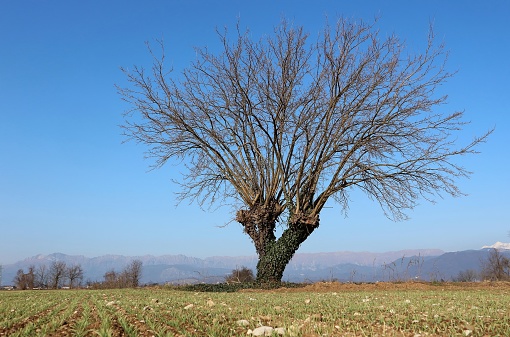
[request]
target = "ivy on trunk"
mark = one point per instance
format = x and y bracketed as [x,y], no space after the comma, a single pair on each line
[278,253]
[275,253]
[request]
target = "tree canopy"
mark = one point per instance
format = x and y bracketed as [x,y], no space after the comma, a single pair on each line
[283,124]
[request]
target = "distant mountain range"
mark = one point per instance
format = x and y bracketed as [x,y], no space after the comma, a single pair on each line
[424,264]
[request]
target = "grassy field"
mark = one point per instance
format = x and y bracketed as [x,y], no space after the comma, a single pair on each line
[324,309]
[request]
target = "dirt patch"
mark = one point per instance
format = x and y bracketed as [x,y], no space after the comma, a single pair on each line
[66,329]
[18,326]
[389,286]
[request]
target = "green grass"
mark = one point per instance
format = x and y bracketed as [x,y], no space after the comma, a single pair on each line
[436,311]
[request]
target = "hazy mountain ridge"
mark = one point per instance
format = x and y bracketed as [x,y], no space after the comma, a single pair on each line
[316,261]
[444,267]
[174,268]
[425,264]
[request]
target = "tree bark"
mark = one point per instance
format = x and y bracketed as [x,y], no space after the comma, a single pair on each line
[278,253]
[259,223]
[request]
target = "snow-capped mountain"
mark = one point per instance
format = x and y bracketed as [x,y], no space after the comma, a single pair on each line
[498,245]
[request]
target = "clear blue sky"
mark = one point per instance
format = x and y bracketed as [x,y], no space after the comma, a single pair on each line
[68,184]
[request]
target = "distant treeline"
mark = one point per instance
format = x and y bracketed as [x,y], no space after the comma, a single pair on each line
[58,275]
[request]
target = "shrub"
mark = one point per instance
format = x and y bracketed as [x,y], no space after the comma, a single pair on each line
[468,275]
[240,275]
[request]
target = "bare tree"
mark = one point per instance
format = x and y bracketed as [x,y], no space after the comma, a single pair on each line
[30,277]
[24,280]
[133,273]
[41,276]
[129,277]
[279,126]
[57,274]
[75,275]
[468,275]
[110,279]
[496,267]
[19,280]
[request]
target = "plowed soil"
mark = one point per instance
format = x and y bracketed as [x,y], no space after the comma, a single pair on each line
[339,287]
[124,320]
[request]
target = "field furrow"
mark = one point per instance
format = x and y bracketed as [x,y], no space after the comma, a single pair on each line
[327,310]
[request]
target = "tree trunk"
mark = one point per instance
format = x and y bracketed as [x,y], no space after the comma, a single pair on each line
[259,223]
[278,253]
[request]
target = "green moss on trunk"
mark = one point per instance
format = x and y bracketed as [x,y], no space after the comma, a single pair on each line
[278,253]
